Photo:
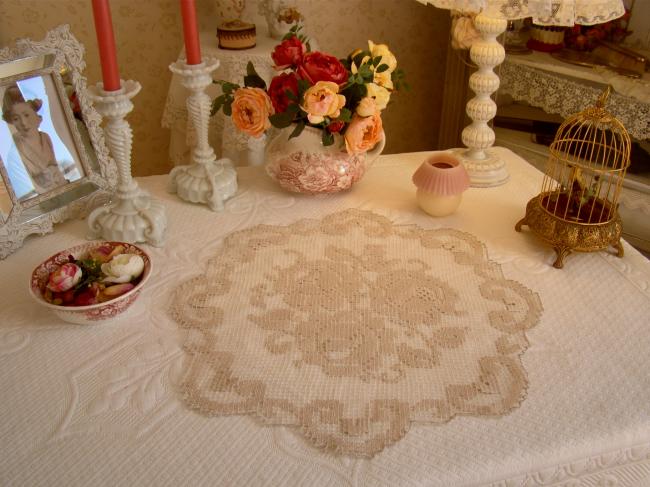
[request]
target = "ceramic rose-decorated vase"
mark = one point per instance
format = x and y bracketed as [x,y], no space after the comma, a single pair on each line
[304,165]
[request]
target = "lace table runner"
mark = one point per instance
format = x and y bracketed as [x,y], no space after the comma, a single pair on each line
[351,328]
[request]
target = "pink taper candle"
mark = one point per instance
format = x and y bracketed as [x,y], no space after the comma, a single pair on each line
[190,32]
[106,44]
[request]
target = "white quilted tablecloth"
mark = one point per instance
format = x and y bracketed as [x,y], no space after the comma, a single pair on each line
[98,406]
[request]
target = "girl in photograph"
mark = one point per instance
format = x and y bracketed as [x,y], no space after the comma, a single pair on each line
[34,147]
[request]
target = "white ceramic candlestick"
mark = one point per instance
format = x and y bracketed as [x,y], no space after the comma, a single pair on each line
[131,216]
[206,180]
[484,168]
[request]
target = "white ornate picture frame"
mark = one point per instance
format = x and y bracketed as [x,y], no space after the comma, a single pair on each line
[63,170]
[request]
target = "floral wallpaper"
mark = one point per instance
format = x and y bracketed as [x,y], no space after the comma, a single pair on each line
[149,37]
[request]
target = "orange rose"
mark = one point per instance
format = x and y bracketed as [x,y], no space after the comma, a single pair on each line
[363,133]
[251,108]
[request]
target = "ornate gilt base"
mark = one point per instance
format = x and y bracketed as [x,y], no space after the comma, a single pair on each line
[566,237]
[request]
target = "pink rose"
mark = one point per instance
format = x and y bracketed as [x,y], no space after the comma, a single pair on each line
[322,100]
[363,133]
[277,91]
[317,66]
[251,108]
[288,53]
[65,277]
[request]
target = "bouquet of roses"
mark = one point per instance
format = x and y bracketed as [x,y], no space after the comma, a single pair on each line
[318,90]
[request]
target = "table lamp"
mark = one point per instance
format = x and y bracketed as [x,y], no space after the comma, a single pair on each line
[485,168]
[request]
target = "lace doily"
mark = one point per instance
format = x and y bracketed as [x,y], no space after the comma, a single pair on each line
[351,328]
[555,94]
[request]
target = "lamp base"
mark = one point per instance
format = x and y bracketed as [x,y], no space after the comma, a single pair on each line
[483,173]
[211,182]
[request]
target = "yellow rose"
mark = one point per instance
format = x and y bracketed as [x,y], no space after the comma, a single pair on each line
[380,94]
[251,108]
[363,133]
[366,107]
[387,57]
[322,100]
[383,79]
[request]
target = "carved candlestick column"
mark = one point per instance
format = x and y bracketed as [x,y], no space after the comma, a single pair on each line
[484,168]
[131,215]
[206,180]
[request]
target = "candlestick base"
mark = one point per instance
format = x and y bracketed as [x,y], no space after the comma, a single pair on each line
[131,215]
[211,182]
[207,180]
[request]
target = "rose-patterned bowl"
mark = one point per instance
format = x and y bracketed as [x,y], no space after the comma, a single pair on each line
[304,165]
[94,313]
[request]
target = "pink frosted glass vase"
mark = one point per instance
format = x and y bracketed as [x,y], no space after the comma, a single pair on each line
[440,181]
[304,165]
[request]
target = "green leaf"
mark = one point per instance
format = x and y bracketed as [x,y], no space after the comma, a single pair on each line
[227,107]
[345,115]
[250,69]
[327,138]
[254,81]
[303,85]
[298,130]
[290,95]
[359,57]
[281,120]
[382,67]
[292,108]
[227,87]
[364,71]
[217,103]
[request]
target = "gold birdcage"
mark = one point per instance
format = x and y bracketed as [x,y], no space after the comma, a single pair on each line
[577,207]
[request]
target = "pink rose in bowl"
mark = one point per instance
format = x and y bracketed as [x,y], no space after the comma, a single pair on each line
[64,278]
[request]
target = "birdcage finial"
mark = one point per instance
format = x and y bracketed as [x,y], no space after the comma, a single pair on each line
[604,97]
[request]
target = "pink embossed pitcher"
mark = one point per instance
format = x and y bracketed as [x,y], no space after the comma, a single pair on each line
[304,165]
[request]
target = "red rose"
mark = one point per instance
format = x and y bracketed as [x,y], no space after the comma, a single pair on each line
[277,91]
[317,66]
[288,53]
[335,127]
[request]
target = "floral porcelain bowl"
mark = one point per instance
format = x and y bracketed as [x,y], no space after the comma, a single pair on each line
[303,165]
[53,270]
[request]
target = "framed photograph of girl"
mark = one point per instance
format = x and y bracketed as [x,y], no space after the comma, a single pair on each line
[37,157]
[54,163]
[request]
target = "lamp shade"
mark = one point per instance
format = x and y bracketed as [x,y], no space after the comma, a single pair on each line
[544,12]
